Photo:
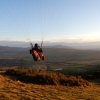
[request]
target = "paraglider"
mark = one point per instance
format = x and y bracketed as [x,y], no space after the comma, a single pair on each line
[20,16]
[37,52]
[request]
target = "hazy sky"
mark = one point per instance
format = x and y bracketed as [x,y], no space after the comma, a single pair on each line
[50,20]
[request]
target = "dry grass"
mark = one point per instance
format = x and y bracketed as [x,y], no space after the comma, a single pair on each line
[16,90]
[41,77]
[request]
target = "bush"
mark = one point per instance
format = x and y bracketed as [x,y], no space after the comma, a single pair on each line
[42,77]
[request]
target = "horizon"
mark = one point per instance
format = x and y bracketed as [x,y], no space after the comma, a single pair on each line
[74,45]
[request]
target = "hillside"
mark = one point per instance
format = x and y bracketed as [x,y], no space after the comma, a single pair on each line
[69,59]
[12,89]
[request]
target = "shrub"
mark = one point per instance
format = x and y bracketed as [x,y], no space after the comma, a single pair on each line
[42,77]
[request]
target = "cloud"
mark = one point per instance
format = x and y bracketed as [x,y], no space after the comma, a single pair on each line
[73,40]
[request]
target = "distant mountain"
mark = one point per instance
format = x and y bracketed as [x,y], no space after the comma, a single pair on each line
[7,48]
[53,54]
[46,44]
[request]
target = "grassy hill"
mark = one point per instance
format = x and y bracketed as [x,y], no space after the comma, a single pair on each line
[12,89]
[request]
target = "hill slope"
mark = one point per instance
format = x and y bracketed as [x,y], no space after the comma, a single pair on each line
[10,89]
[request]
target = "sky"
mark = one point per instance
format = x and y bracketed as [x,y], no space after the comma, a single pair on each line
[67,21]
